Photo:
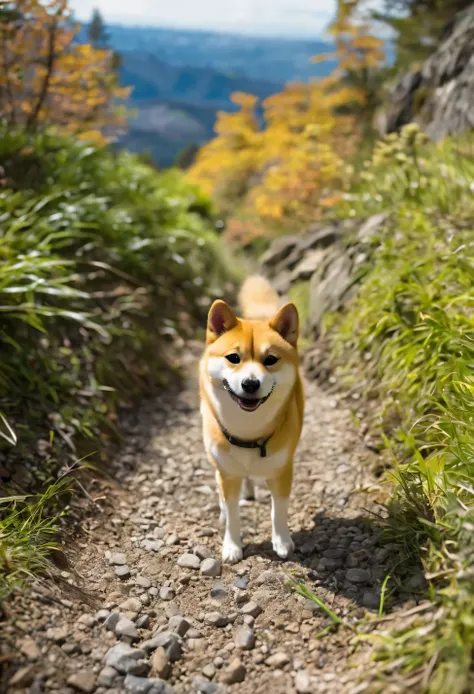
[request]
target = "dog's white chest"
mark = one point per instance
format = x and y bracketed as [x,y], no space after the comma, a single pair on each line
[244,462]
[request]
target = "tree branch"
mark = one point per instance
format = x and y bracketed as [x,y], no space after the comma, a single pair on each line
[8,87]
[47,78]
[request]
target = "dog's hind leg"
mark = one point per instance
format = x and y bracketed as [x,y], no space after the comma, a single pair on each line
[280,488]
[248,490]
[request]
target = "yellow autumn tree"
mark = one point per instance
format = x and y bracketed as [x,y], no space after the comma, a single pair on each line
[48,77]
[295,167]
[225,165]
[359,53]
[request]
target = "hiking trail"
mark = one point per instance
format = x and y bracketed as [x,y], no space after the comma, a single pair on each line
[164,615]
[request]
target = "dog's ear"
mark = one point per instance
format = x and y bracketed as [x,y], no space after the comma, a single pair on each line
[286,323]
[220,319]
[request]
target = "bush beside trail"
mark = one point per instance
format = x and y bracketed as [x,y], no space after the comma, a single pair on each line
[105,263]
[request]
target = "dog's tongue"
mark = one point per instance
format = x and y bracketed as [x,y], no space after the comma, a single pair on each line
[249,405]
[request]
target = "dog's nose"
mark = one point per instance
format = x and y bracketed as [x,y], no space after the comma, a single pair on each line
[250,385]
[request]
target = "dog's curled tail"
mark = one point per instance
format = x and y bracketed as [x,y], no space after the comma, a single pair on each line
[257,299]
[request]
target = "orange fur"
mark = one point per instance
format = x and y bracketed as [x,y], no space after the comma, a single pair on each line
[265,331]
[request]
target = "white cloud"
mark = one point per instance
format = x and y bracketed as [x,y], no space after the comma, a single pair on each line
[288,17]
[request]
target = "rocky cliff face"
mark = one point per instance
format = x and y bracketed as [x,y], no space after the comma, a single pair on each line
[328,260]
[440,94]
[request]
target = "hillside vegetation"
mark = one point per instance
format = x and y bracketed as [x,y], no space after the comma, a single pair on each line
[105,264]
[409,336]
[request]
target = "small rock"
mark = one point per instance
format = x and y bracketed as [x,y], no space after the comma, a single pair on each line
[244,638]
[143,622]
[131,605]
[203,686]
[278,660]
[167,593]
[352,562]
[57,634]
[216,619]
[87,621]
[83,681]
[143,582]
[29,648]
[172,540]
[151,545]
[126,629]
[106,676]
[303,682]
[234,673]
[118,559]
[178,625]
[112,621]
[137,685]
[252,609]
[22,677]
[371,601]
[242,582]
[218,591]
[143,685]
[123,657]
[202,552]
[189,561]
[194,633]
[211,567]
[122,572]
[358,576]
[209,671]
[166,640]
[160,663]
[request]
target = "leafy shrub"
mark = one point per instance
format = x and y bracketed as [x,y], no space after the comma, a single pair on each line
[104,263]
[413,324]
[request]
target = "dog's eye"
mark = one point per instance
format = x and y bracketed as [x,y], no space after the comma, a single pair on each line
[233,358]
[270,360]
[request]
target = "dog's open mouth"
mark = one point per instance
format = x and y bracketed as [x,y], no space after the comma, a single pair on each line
[246,404]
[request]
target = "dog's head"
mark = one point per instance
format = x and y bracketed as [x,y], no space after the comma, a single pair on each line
[251,362]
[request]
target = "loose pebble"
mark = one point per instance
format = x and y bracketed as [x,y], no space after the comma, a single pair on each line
[189,561]
[211,567]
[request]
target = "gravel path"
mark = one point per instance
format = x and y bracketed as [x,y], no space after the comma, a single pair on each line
[164,615]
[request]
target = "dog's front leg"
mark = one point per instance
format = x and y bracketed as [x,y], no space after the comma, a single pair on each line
[280,488]
[229,488]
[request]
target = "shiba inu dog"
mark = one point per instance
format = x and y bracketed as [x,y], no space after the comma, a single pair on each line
[252,405]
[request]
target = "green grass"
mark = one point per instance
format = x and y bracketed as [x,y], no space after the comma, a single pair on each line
[411,330]
[103,263]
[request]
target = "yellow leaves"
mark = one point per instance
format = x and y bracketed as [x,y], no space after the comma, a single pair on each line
[330,201]
[323,57]
[54,80]
[244,100]
[94,136]
[365,42]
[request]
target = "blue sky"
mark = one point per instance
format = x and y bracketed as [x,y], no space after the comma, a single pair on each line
[268,17]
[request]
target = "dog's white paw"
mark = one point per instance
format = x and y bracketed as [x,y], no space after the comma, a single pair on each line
[231,553]
[283,545]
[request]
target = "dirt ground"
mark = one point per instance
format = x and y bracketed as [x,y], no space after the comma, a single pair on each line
[149,619]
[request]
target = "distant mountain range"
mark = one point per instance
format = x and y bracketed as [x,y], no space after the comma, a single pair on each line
[181,78]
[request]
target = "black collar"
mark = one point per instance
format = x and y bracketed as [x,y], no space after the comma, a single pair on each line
[262,445]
